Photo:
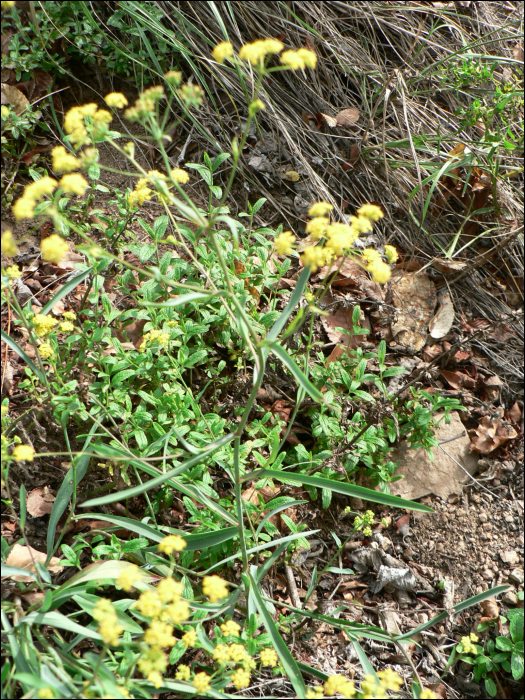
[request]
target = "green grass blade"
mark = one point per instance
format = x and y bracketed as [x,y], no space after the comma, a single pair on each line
[277,327]
[346,489]
[66,289]
[290,665]
[301,378]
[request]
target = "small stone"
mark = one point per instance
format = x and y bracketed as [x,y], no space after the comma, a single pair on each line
[482,517]
[408,554]
[487,574]
[516,576]
[509,518]
[422,618]
[509,556]
[509,598]
[496,482]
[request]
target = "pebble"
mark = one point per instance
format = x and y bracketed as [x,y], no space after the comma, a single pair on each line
[516,576]
[487,574]
[509,598]
[509,556]
[482,517]
[408,554]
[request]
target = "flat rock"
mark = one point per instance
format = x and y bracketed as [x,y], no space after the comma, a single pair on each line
[443,476]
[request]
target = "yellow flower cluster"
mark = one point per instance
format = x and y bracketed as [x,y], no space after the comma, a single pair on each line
[222,51]
[67,327]
[45,351]
[116,99]
[320,209]
[379,270]
[128,576]
[371,686]
[302,58]
[74,183]
[284,243]
[43,324]
[64,162]
[54,248]
[162,339]
[191,95]
[256,52]
[468,644]
[106,615]
[23,453]
[214,588]
[269,657]
[189,638]
[75,124]
[230,628]
[152,664]
[183,673]
[240,678]
[141,192]
[179,176]
[170,543]
[391,254]
[145,103]
[69,314]
[13,272]
[8,243]
[24,208]
[201,682]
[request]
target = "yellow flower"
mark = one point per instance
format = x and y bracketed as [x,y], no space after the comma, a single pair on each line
[269,657]
[214,588]
[221,653]
[238,653]
[170,590]
[6,4]
[74,183]
[370,255]
[74,122]
[284,243]
[116,99]
[391,254]
[173,77]
[474,637]
[45,351]
[67,326]
[153,660]
[183,673]
[293,60]
[427,694]
[314,257]
[5,109]
[222,51]
[320,209]
[89,157]
[241,678]
[5,410]
[42,325]
[272,46]
[309,58]
[371,211]
[128,576]
[180,176]
[201,682]
[317,227]
[36,190]
[314,693]
[189,638]
[254,52]
[43,693]
[24,208]
[13,271]
[332,685]
[230,628]
[340,237]
[347,690]
[171,543]
[106,615]
[191,95]
[8,243]
[162,339]
[468,646]
[156,678]
[380,271]
[64,162]
[256,106]
[54,248]
[360,224]
[390,680]
[69,314]
[149,604]
[159,634]
[178,612]
[23,453]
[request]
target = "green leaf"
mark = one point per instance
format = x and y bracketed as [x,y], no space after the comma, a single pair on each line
[66,289]
[346,489]
[56,619]
[153,483]
[290,665]
[504,643]
[490,687]
[294,300]
[516,665]
[182,299]
[301,378]
[29,362]
[394,371]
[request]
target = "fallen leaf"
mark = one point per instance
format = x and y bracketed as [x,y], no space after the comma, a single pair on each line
[458,379]
[347,117]
[515,413]
[491,434]
[517,51]
[490,609]
[291,175]
[449,266]
[12,96]
[402,525]
[349,273]
[39,502]
[24,557]
[414,298]
[430,352]
[442,322]
[492,387]
[260,163]
[443,476]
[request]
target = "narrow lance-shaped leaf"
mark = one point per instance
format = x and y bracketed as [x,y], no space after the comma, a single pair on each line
[301,378]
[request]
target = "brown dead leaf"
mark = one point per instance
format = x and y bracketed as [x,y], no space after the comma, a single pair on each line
[345,118]
[430,352]
[517,51]
[402,525]
[442,322]
[291,176]
[515,413]
[24,557]
[493,386]
[11,95]
[490,610]
[414,298]
[39,502]
[490,434]
[350,272]
[458,379]
[449,266]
